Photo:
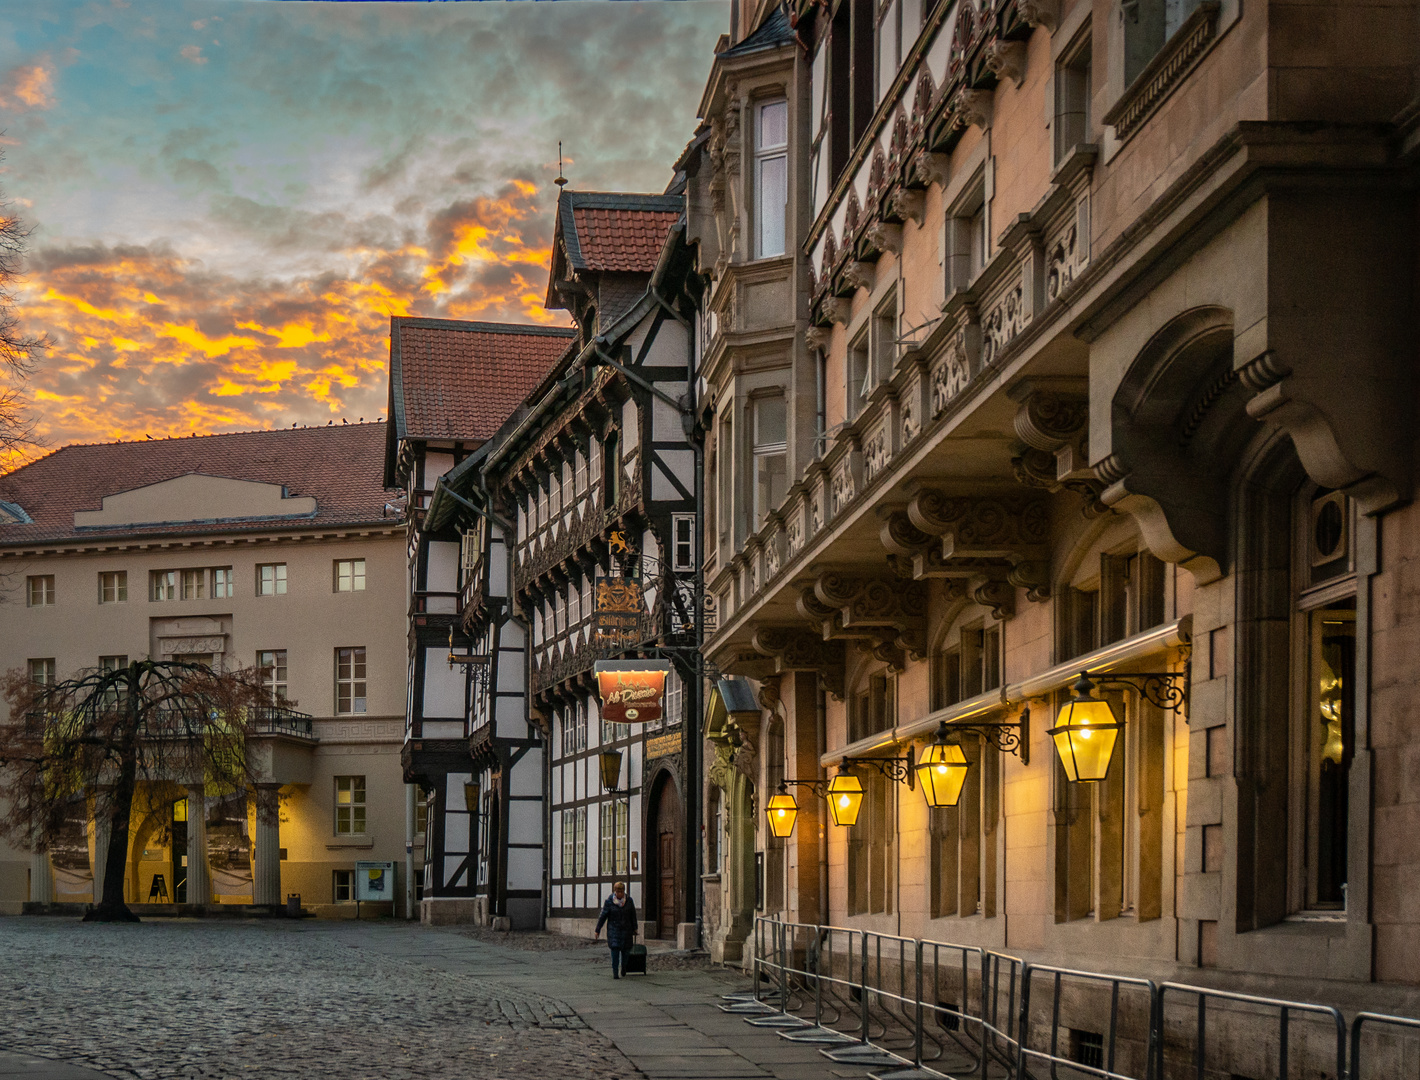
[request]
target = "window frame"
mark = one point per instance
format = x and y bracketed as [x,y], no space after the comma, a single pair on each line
[763,500]
[278,579]
[358,678]
[357,817]
[277,682]
[40,590]
[117,586]
[347,575]
[767,154]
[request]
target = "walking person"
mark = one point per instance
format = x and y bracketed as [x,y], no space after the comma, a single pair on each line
[619,917]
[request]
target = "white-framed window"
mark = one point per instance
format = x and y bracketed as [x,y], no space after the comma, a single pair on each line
[349,575]
[614,818]
[860,374]
[193,584]
[42,671]
[682,542]
[223,583]
[883,342]
[163,585]
[771,451]
[113,587]
[574,842]
[675,699]
[271,579]
[581,473]
[349,806]
[272,664]
[421,811]
[574,606]
[112,663]
[350,680]
[1073,88]
[343,886]
[39,590]
[771,177]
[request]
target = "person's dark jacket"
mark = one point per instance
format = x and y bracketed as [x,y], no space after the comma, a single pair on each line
[620,922]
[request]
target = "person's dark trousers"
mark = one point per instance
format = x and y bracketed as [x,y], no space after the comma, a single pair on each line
[618,960]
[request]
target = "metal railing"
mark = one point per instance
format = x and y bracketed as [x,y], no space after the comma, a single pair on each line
[933,1009]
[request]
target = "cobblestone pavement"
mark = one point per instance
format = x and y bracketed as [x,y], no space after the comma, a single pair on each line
[195,999]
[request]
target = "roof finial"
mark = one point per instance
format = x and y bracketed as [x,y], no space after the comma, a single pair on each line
[561,180]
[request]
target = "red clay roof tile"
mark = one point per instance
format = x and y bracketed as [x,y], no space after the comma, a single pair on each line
[621,239]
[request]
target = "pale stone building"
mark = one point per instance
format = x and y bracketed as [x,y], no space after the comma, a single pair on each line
[278,549]
[1102,360]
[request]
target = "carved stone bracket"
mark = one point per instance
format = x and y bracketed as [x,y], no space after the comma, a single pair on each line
[1006,59]
[1044,13]
[884,236]
[973,107]
[858,275]
[795,649]
[930,168]
[837,309]
[978,527]
[909,204]
[818,337]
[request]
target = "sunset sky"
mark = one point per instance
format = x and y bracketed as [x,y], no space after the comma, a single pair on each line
[231,197]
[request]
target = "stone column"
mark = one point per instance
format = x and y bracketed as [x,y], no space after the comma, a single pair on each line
[103,829]
[199,888]
[41,878]
[266,861]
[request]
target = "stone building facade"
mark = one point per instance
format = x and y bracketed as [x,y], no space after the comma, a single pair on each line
[1094,353]
[271,549]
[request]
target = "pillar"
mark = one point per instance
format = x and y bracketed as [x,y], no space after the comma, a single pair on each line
[266,868]
[199,888]
[103,829]
[41,878]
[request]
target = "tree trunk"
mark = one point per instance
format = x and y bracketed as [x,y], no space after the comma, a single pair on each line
[112,907]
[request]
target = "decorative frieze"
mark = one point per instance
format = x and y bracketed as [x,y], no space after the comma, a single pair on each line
[982,527]
[1006,318]
[951,373]
[877,451]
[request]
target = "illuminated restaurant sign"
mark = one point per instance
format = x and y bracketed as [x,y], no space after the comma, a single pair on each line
[631,691]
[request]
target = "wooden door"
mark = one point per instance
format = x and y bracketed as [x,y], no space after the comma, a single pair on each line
[668,855]
[669,892]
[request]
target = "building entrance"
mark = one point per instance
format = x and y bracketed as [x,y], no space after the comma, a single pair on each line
[178,829]
[664,883]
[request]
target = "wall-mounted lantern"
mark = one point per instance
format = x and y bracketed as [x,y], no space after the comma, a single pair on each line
[470,796]
[941,771]
[782,810]
[1089,727]
[845,798]
[610,763]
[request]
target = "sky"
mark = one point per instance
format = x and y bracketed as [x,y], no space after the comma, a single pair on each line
[230,198]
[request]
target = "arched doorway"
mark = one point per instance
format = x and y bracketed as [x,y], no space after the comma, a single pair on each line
[664,832]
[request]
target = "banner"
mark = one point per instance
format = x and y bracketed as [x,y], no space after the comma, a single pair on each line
[631,691]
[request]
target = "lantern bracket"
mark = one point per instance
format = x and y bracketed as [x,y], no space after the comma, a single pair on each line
[1008,738]
[1162,689]
[894,768]
[818,787]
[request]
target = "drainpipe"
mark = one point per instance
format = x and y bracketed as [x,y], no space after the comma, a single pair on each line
[821,717]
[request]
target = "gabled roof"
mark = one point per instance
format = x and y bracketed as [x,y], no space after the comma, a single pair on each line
[338,466]
[452,380]
[773,32]
[609,232]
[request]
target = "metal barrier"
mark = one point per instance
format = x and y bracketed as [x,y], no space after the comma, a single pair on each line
[927,1009]
[1378,1020]
[1285,1009]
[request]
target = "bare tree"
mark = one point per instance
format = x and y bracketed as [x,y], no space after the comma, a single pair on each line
[122,739]
[19,352]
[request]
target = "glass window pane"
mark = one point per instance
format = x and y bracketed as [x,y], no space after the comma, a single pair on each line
[770,422]
[774,124]
[772,206]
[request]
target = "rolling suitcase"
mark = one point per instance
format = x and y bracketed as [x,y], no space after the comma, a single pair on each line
[635,962]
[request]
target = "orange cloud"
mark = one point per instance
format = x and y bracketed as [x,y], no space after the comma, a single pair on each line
[28,87]
[150,342]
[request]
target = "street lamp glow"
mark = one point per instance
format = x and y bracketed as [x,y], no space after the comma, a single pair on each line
[845,798]
[781,810]
[1086,734]
[941,770]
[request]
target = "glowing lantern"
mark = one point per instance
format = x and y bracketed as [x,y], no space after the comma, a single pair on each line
[941,770]
[781,810]
[1086,734]
[845,798]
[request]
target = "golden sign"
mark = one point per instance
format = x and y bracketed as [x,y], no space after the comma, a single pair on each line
[663,746]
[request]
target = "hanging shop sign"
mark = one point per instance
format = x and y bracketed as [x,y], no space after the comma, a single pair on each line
[631,691]
[618,608]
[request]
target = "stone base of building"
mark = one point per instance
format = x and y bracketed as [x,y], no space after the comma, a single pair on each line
[686,936]
[451,911]
[586,927]
[186,911]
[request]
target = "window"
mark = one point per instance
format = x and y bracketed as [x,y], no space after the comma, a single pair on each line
[42,672]
[883,342]
[771,177]
[39,590]
[574,606]
[113,587]
[874,709]
[611,469]
[344,886]
[610,732]
[683,542]
[820,402]
[349,806]
[860,375]
[1148,25]
[724,465]
[271,579]
[946,678]
[193,583]
[870,848]
[1329,741]
[222,583]
[675,698]
[980,657]
[714,838]
[580,474]
[421,811]
[574,728]
[574,842]
[771,449]
[614,820]
[968,238]
[774,847]
[350,680]
[272,663]
[163,585]
[961,840]
[349,575]
[1072,96]
[1128,600]
[112,663]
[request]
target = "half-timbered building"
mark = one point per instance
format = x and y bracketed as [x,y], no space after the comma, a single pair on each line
[452,384]
[597,484]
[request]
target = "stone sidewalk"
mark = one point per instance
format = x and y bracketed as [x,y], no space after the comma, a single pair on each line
[380,1000]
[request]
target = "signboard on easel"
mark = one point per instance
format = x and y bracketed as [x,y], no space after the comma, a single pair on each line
[374,881]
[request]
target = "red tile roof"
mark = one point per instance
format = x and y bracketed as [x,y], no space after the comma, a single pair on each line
[461,380]
[628,241]
[340,466]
